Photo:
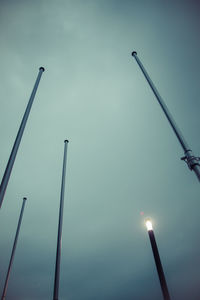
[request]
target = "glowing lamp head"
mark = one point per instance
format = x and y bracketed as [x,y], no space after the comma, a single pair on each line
[149,225]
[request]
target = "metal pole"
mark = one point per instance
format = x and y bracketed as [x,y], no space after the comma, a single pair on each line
[13,251]
[189,158]
[159,267]
[59,237]
[13,154]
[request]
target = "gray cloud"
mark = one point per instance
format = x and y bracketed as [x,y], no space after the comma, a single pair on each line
[123,157]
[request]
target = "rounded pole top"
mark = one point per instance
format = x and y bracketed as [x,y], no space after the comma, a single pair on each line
[24,198]
[66,141]
[42,69]
[134,53]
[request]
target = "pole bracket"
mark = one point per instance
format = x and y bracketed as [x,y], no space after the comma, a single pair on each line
[191,160]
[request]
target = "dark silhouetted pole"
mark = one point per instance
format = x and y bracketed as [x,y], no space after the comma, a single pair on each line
[13,251]
[13,154]
[59,237]
[191,160]
[156,255]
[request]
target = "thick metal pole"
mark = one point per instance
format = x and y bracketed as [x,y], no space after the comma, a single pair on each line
[191,160]
[13,251]
[13,154]
[59,237]
[160,271]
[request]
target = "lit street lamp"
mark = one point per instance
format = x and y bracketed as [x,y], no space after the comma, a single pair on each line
[158,263]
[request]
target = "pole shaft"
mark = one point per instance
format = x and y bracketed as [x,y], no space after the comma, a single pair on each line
[160,271]
[13,154]
[13,250]
[162,104]
[189,157]
[59,237]
[197,171]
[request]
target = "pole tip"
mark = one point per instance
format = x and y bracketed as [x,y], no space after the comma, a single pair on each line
[66,141]
[42,68]
[24,198]
[134,53]
[149,224]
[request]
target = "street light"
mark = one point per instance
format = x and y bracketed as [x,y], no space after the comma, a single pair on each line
[158,263]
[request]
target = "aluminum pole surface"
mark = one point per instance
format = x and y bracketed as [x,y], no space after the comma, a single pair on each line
[13,154]
[59,237]
[159,267]
[13,250]
[191,160]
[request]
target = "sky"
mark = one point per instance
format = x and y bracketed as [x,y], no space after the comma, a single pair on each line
[123,160]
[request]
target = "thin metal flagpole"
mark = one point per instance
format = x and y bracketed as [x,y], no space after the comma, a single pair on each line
[13,250]
[13,154]
[189,158]
[158,263]
[59,237]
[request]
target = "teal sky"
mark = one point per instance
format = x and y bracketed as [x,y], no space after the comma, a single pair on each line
[123,158]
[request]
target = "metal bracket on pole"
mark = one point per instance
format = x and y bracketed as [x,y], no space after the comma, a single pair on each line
[190,159]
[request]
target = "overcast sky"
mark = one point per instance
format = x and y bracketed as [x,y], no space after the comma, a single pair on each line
[123,158]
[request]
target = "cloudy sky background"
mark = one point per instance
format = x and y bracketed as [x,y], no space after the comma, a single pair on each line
[123,158]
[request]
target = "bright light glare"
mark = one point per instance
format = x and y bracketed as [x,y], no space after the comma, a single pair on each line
[149,225]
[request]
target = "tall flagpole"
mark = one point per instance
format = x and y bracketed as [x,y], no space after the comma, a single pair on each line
[59,237]
[13,154]
[13,251]
[191,160]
